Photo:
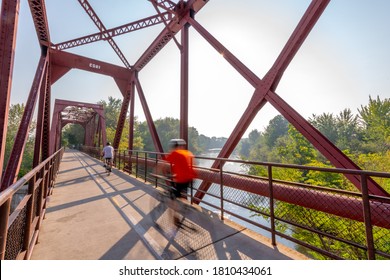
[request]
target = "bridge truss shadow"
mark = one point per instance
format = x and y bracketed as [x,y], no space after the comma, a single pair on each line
[108,217]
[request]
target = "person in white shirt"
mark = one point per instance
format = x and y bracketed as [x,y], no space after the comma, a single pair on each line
[108,154]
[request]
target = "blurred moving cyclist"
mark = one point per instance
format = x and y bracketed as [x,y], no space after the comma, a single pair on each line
[181,168]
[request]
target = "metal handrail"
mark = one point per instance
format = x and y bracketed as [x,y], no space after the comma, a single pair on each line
[370,212]
[20,227]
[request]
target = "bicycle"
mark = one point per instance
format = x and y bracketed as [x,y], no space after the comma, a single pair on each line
[107,166]
[170,217]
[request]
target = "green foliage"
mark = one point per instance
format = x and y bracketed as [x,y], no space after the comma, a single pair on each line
[376,121]
[72,135]
[295,149]
[326,179]
[167,129]
[14,118]
[365,138]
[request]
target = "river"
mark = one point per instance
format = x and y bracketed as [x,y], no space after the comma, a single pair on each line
[237,196]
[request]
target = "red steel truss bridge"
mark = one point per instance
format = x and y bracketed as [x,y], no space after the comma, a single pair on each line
[367,209]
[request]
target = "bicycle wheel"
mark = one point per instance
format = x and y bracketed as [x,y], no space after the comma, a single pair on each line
[159,209]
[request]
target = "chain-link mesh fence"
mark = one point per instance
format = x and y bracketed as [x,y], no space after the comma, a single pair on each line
[323,218]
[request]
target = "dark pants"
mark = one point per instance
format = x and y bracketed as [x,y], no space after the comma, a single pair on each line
[181,189]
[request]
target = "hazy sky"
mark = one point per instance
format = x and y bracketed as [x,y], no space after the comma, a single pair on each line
[344,59]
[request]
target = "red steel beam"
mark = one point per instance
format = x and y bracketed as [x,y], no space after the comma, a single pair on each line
[264,92]
[46,117]
[184,84]
[8,26]
[67,61]
[92,14]
[38,12]
[112,32]
[166,35]
[38,147]
[131,117]
[148,116]
[167,5]
[13,166]
[122,116]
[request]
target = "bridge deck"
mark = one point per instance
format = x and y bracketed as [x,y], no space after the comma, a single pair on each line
[93,216]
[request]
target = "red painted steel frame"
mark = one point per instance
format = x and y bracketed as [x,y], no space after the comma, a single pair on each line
[127,79]
[90,126]
[92,14]
[184,84]
[13,166]
[8,26]
[148,116]
[41,148]
[265,92]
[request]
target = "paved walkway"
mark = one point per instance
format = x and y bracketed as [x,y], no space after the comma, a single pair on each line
[93,216]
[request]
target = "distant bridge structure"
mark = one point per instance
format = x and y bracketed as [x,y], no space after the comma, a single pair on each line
[89,116]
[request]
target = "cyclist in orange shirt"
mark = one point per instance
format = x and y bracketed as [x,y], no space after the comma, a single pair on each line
[181,169]
[181,166]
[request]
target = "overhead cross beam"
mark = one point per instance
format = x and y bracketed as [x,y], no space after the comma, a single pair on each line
[191,8]
[167,5]
[87,7]
[112,32]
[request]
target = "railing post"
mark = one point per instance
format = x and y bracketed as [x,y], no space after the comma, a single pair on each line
[367,218]
[146,166]
[156,180]
[271,205]
[221,189]
[4,215]
[192,184]
[29,214]
[136,166]
[41,200]
[119,160]
[130,164]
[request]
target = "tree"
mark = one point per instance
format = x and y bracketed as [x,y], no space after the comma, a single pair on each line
[375,118]
[73,135]
[14,118]
[349,132]
[112,110]
[327,125]
[295,149]
[276,128]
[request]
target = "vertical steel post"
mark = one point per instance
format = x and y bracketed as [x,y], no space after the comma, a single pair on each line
[29,215]
[221,189]
[184,85]
[38,148]
[367,218]
[271,205]
[146,165]
[4,216]
[136,165]
[131,126]
[8,26]
[131,117]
